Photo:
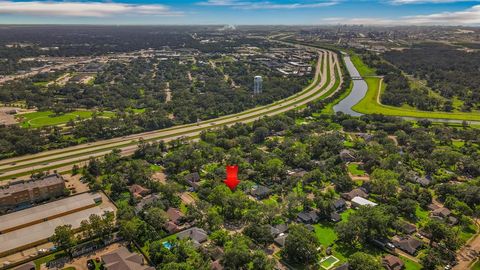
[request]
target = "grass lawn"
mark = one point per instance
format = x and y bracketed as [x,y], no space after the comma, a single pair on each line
[155,168]
[410,265]
[48,118]
[272,200]
[422,215]
[325,234]
[48,258]
[353,169]
[458,144]
[476,266]
[369,105]
[467,233]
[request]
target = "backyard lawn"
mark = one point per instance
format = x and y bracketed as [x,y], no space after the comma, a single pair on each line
[353,169]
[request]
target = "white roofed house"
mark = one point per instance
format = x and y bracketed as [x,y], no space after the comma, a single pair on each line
[359,201]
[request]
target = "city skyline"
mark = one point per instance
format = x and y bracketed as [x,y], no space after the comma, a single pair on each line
[243,12]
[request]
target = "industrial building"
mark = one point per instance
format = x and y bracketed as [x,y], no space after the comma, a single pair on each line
[33,226]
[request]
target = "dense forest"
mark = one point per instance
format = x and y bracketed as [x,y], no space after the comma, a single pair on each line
[449,71]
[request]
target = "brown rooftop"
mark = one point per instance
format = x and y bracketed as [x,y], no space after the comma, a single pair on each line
[21,185]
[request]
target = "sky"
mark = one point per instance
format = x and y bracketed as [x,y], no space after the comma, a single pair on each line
[241,12]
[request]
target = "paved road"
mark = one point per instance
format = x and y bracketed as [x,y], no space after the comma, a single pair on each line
[63,159]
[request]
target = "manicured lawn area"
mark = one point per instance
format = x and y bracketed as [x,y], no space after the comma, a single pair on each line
[353,169]
[369,105]
[48,118]
[410,265]
[325,234]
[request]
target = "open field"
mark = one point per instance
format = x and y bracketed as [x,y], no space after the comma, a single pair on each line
[370,103]
[48,118]
[63,159]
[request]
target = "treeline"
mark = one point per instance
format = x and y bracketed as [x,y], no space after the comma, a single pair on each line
[398,90]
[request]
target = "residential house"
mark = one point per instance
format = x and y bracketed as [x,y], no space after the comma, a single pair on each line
[407,228]
[138,191]
[280,239]
[123,259]
[408,244]
[278,229]
[298,173]
[308,217]
[146,201]
[359,201]
[442,212]
[339,205]
[260,192]
[347,155]
[391,262]
[193,180]
[358,192]
[175,215]
[171,227]
[423,181]
[197,235]
[335,217]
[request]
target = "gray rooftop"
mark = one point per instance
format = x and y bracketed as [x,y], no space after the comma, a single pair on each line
[41,231]
[50,209]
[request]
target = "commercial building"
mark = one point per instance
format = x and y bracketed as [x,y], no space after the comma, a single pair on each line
[257,85]
[31,191]
[33,226]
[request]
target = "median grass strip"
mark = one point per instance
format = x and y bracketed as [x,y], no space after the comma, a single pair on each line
[370,105]
[171,135]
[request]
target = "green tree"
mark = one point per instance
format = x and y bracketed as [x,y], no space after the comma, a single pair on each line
[301,245]
[64,238]
[363,261]
[384,182]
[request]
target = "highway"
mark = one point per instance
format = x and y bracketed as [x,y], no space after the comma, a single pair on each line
[63,159]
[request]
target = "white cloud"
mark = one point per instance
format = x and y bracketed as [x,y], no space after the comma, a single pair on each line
[267,4]
[82,9]
[469,16]
[405,2]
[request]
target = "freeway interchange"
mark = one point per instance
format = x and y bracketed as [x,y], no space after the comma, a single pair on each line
[327,80]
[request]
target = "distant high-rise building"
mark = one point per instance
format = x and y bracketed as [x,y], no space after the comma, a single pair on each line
[257,85]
